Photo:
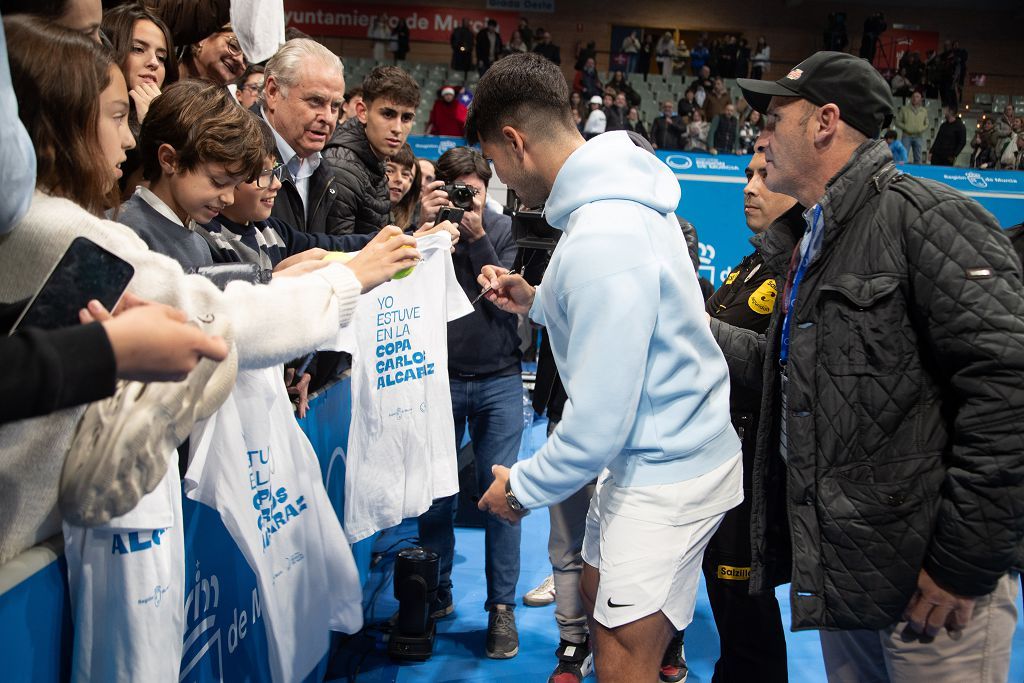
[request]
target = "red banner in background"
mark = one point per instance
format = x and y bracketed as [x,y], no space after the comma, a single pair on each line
[426,24]
[895,43]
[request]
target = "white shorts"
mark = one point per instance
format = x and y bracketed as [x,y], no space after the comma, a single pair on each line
[648,542]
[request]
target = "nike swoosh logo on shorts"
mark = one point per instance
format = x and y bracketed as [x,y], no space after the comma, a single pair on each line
[613,605]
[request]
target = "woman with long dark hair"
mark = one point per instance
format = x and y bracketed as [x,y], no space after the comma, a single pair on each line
[144,50]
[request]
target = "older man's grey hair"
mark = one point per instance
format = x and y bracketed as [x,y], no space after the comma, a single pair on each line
[288,61]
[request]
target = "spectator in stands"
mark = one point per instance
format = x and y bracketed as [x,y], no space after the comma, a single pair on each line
[950,139]
[352,99]
[379,34]
[597,121]
[516,44]
[697,132]
[462,47]
[616,112]
[403,174]
[357,150]
[631,48]
[896,148]
[587,83]
[668,131]
[249,85]
[1005,124]
[270,324]
[687,104]
[488,47]
[742,58]
[584,53]
[445,116]
[753,643]
[682,57]
[645,55]
[914,68]
[913,120]
[1018,153]
[619,82]
[761,60]
[486,388]
[217,58]
[907,568]
[901,85]
[948,78]
[717,100]
[400,39]
[750,131]
[665,52]
[702,86]
[526,33]
[983,146]
[1006,152]
[303,90]
[546,48]
[699,56]
[143,49]
[932,76]
[727,56]
[874,27]
[634,123]
[724,132]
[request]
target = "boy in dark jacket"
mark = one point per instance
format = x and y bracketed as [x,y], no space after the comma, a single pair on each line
[357,151]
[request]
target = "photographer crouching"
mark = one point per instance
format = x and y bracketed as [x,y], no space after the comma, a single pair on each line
[484,374]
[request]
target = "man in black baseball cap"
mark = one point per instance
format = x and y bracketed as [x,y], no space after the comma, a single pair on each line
[886,485]
[851,83]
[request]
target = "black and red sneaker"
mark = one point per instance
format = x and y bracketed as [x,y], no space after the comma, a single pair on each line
[673,664]
[575,662]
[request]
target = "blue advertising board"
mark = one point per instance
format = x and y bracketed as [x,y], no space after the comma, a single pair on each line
[712,197]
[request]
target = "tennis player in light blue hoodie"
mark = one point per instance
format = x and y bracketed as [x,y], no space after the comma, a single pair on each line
[648,387]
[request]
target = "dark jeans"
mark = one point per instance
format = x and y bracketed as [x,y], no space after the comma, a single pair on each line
[494,409]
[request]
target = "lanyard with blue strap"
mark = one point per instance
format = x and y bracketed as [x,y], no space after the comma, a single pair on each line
[805,259]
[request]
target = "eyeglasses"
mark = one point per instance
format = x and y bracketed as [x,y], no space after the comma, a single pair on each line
[263,180]
[234,49]
[254,88]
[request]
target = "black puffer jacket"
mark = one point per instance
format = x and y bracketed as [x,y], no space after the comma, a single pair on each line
[905,403]
[362,204]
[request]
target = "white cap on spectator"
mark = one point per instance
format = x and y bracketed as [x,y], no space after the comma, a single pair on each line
[447,90]
[596,99]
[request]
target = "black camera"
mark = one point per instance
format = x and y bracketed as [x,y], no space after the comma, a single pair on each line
[460,195]
[534,237]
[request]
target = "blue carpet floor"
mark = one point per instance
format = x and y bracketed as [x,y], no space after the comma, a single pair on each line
[459,646]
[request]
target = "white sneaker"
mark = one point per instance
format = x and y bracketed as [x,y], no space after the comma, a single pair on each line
[120,449]
[544,594]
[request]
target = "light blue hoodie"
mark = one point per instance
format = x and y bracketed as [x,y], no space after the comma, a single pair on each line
[648,386]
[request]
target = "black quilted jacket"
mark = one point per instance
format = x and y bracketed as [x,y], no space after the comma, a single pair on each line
[906,400]
[362,204]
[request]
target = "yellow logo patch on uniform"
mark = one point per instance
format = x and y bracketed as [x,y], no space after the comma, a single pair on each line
[763,299]
[727,573]
[732,277]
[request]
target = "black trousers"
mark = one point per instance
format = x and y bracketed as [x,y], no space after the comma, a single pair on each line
[750,628]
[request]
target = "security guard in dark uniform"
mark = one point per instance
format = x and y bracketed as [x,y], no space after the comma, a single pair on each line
[753,643]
